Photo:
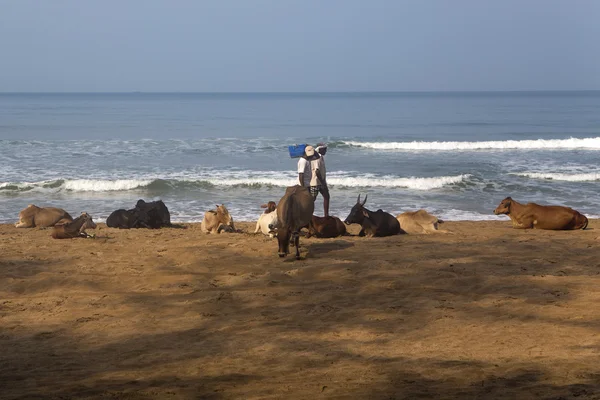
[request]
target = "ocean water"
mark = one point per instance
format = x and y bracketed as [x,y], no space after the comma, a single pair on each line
[455,154]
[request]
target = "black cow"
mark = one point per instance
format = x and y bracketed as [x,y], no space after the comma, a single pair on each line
[122,219]
[378,223]
[154,214]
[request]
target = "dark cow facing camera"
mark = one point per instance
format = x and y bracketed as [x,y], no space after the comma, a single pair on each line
[378,223]
[294,211]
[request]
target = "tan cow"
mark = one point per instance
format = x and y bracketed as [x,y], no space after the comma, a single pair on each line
[42,217]
[535,216]
[217,220]
[420,221]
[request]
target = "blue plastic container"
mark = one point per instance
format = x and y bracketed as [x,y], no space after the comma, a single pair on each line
[297,150]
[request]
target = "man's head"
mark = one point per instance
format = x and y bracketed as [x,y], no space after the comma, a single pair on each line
[309,151]
[321,149]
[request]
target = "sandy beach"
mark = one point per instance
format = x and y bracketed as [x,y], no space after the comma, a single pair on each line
[486,312]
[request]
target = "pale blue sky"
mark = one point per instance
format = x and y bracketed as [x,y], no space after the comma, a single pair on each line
[303,45]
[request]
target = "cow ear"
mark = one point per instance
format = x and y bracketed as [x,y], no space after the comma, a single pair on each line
[264,206]
[365,213]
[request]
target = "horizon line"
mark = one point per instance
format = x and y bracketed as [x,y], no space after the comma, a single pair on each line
[310,92]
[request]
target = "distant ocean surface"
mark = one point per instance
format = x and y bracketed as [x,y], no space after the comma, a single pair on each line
[455,154]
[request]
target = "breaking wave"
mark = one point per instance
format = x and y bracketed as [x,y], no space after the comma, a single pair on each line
[538,144]
[276,179]
[588,177]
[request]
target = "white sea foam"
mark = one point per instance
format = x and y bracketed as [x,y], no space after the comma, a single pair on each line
[415,183]
[78,185]
[91,185]
[279,179]
[587,177]
[367,180]
[462,215]
[564,144]
[339,179]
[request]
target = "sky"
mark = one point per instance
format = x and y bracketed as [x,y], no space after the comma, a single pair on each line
[298,45]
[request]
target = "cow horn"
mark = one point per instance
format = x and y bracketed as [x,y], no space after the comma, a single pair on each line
[365,200]
[358,199]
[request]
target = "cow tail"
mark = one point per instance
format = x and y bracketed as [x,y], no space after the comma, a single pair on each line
[585,223]
[290,212]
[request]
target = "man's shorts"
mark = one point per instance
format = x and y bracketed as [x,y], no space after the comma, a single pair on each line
[314,191]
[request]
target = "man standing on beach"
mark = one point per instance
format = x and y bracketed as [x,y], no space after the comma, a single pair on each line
[311,174]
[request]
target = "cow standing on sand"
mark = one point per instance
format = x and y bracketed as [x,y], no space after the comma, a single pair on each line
[378,223]
[294,211]
[42,217]
[535,216]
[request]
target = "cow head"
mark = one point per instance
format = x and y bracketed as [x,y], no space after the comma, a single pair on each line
[356,215]
[270,207]
[223,215]
[504,206]
[283,235]
[283,239]
[88,222]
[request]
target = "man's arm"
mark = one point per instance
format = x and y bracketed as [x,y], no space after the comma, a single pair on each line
[301,168]
[321,179]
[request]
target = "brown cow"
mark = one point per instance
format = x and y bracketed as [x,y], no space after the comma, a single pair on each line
[42,217]
[535,216]
[294,211]
[214,219]
[326,227]
[75,228]
[420,221]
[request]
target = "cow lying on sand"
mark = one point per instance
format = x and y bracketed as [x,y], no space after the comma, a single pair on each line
[326,227]
[416,222]
[153,215]
[42,217]
[294,211]
[378,223]
[535,216]
[269,217]
[75,228]
[217,221]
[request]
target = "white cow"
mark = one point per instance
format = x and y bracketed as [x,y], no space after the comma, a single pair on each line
[269,217]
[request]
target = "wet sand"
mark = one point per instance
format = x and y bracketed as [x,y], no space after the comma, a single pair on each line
[486,312]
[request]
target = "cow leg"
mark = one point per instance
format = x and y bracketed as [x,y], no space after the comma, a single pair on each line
[362,232]
[296,237]
[524,223]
